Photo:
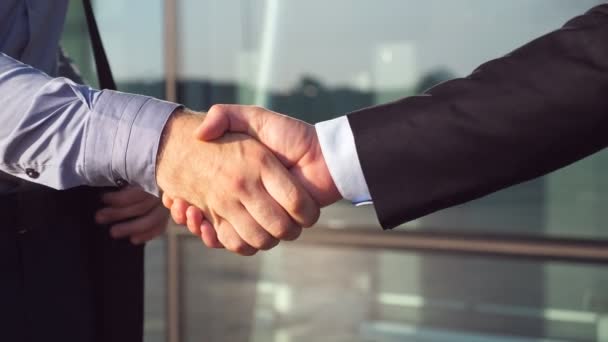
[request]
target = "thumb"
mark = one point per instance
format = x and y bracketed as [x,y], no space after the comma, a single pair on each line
[229,118]
[215,124]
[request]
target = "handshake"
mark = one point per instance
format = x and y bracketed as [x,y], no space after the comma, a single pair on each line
[242,177]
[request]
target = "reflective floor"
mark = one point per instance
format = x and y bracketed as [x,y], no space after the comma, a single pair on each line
[301,292]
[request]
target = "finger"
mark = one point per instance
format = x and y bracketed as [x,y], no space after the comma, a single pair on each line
[248,229]
[194,218]
[158,216]
[232,241]
[115,214]
[141,238]
[215,124]
[167,201]
[283,187]
[178,211]
[222,118]
[209,235]
[271,216]
[124,197]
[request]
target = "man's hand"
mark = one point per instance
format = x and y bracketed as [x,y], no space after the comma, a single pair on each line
[186,214]
[242,189]
[294,142]
[134,213]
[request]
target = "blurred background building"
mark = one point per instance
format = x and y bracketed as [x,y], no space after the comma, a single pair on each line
[347,280]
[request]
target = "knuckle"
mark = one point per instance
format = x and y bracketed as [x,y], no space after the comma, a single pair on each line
[219,108]
[257,243]
[296,204]
[211,239]
[239,184]
[292,234]
[306,211]
[313,218]
[244,249]
[270,244]
[238,246]
[233,243]
[265,159]
[233,246]
[264,242]
[283,228]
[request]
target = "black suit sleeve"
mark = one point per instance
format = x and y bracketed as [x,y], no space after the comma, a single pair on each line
[515,118]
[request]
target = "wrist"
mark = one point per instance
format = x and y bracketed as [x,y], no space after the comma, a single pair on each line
[175,135]
[322,185]
[329,186]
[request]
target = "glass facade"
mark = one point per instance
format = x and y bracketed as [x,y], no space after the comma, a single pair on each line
[132,36]
[313,293]
[316,60]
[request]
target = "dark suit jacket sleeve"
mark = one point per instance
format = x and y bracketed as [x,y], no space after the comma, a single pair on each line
[535,110]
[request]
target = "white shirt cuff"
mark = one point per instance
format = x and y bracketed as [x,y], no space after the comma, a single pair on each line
[340,153]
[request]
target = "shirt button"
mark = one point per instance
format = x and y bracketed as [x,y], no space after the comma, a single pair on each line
[121,183]
[32,173]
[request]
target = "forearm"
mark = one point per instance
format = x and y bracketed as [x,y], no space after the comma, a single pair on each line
[515,118]
[73,135]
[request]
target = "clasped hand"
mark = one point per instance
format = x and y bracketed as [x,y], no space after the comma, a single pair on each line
[244,190]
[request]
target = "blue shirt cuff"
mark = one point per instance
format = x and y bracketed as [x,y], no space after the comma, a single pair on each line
[122,139]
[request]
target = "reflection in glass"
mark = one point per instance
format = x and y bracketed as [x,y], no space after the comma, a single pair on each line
[320,59]
[315,60]
[135,51]
[304,293]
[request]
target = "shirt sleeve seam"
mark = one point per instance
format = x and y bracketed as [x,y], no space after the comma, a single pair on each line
[122,121]
[137,113]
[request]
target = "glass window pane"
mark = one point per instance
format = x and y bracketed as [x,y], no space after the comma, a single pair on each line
[132,33]
[313,293]
[76,44]
[319,59]
[155,291]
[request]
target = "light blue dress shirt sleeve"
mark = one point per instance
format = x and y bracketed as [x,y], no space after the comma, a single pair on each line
[340,153]
[61,134]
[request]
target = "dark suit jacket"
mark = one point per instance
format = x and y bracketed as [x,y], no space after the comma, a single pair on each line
[515,118]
